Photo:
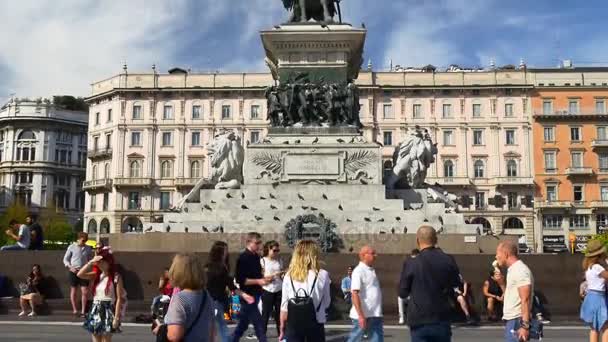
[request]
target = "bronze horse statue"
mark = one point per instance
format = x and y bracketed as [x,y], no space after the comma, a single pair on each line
[318,10]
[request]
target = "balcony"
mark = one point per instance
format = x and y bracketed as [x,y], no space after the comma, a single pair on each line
[599,204]
[185,182]
[449,181]
[515,181]
[100,153]
[598,143]
[132,182]
[579,171]
[553,204]
[95,184]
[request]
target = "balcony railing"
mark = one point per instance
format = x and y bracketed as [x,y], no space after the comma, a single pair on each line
[449,180]
[100,153]
[599,204]
[186,182]
[599,143]
[122,182]
[553,204]
[515,180]
[567,112]
[97,184]
[579,171]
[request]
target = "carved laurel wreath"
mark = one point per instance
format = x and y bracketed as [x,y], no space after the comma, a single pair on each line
[328,240]
[356,161]
[271,162]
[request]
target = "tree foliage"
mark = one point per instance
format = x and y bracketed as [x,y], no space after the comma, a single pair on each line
[70,103]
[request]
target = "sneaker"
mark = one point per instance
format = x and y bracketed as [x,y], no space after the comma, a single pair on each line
[401,320]
[22,313]
[31,314]
[251,337]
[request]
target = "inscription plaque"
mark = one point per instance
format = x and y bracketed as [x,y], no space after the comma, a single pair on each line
[320,165]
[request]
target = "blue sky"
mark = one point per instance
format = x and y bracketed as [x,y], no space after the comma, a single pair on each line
[61,46]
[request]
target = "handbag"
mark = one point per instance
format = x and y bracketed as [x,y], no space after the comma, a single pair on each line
[161,335]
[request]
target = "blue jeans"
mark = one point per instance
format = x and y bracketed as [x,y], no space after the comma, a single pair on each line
[221,322]
[511,336]
[12,248]
[374,330]
[250,314]
[436,332]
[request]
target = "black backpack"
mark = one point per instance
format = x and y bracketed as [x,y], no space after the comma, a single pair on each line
[302,314]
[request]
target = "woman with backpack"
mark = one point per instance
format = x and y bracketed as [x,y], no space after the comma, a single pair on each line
[305,296]
[272,267]
[108,296]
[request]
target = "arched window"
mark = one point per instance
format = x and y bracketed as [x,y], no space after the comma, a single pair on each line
[513,223]
[134,170]
[106,171]
[27,135]
[94,172]
[104,226]
[92,227]
[448,168]
[487,227]
[512,168]
[479,169]
[165,169]
[195,169]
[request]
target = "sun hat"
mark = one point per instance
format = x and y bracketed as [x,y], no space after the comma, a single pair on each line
[595,247]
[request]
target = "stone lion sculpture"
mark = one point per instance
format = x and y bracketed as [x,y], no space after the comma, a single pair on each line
[413,158]
[226,155]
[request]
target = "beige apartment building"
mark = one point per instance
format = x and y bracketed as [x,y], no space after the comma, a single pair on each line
[148,132]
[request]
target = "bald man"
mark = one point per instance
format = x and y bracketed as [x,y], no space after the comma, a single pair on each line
[517,305]
[366,312]
[429,280]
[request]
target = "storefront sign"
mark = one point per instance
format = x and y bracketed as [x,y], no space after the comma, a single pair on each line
[581,243]
[553,244]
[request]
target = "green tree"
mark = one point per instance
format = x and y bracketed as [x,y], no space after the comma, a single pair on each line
[57,230]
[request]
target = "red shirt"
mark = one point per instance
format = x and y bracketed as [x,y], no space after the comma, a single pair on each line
[167,290]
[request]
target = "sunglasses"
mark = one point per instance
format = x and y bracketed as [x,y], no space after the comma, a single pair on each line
[276,250]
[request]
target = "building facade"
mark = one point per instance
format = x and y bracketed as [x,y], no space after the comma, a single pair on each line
[571,147]
[43,156]
[148,134]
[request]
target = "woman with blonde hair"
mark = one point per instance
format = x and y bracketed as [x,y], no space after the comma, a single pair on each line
[594,310]
[189,317]
[305,296]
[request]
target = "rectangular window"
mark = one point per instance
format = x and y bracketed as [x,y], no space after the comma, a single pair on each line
[225,112]
[601,133]
[480,200]
[552,221]
[477,137]
[547,107]
[510,136]
[604,193]
[93,202]
[108,141]
[512,200]
[387,111]
[388,138]
[600,107]
[448,137]
[476,110]
[578,193]
[96,143]
[575,134]
[196,138]
[168,113]
[551,193]
[255,112]
[579,222]
[549,133]
[603,161]
[135,138]
[508,110]
[573,107]
[166,139]
[196,112]
[137,112]
[106,201]
[134,201]
[447,110]
[109,115]
[417,111]
[550,165]
[165,200]
[255,137]
[97,115]
[576,159]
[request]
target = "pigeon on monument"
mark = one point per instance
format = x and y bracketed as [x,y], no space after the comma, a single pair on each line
[186,229]
[205,229]
[324,196]
[286,142]
[313,208]
[213,202]
[242,195]
[375,209]
[228,196]
[305,207]
[257,218]
[300,197]
[340,207]
[276,218]
[289,207]
[348,220]
[149,229]
[206,206]
[272,196]
[367,219]
[316,140]
[273,207]
[381,220]
[244,207]
[297,141]
[262,198]
[340,140]
[398,218]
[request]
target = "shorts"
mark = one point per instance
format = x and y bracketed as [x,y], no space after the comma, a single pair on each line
[77,282]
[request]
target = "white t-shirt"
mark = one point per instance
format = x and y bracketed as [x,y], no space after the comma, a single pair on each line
[100,290]
[321,295]
[272,267]
[518,275]
[364,280]
[24,235]
[594,279]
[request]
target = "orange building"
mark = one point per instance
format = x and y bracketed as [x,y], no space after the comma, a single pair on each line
[570,133]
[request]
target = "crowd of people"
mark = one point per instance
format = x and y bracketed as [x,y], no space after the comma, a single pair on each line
[195,298]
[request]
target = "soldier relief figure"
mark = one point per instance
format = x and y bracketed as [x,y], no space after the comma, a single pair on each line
[299,102]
